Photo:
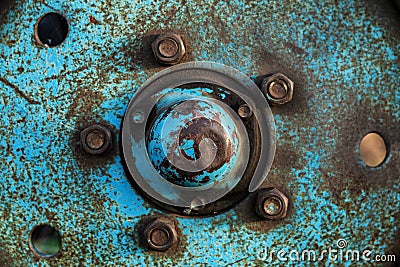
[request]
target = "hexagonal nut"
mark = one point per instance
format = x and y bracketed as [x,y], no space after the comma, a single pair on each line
[168,48]
[271,204]
[160,234]
[278,89]
[96,139]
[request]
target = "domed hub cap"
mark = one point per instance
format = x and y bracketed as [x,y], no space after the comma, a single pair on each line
[196,142]
[185,143]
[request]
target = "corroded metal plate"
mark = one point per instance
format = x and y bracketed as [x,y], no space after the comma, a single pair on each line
[343,57]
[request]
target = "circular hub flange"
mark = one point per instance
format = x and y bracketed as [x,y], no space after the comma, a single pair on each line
[185,145]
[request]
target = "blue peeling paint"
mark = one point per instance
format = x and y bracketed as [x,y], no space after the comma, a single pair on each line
[343,57]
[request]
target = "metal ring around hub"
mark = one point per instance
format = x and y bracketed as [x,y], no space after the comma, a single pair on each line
[173,97]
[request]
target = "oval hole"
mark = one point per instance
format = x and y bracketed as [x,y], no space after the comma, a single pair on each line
[45,241]
[373,149]
[51,30]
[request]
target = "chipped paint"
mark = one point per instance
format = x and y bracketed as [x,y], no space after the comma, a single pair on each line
[342,55]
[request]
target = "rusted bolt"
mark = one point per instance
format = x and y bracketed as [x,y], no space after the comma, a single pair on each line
[271,204]
[161,234]
[96,139]
[245,111]
[278,89]
[168,48]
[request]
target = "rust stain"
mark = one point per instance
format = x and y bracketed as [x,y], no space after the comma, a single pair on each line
[5,258]
[94,20]
[84,102]
[18,91]
[345,171]
[5,6]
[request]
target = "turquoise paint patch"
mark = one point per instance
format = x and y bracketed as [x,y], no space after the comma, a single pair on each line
[346,54]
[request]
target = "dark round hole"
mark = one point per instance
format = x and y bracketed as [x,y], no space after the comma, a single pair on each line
[51,29]
[45,241]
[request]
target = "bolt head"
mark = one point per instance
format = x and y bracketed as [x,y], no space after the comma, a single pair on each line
[278,89]
[161,234]
[271,204]
[168,48]
[96,139]
[245,111]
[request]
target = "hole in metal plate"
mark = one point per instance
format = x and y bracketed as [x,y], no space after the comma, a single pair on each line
[51,30]
[45,241]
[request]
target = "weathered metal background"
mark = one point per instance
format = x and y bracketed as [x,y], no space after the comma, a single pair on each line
[342,55]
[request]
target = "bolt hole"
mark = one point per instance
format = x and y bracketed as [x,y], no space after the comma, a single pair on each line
[45,241]
[373,150]
[51,30]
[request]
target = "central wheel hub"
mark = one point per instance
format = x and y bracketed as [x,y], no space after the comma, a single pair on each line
[198,137]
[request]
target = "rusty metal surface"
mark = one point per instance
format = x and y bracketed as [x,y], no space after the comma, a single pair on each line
[343,57]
